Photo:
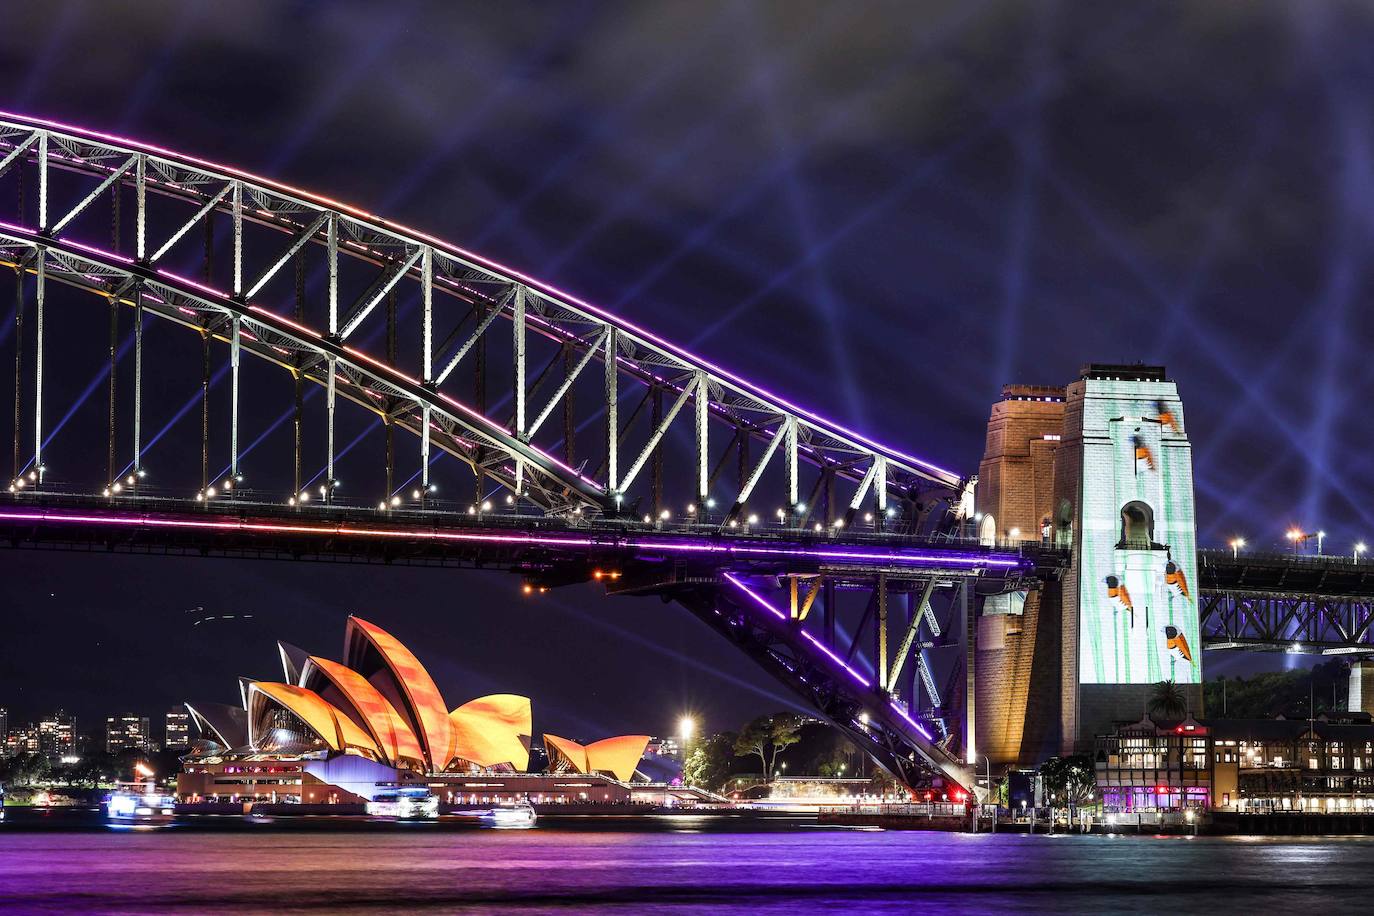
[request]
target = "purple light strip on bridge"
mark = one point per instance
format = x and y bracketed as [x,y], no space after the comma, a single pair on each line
[920,729]
[814,641]
[46,516]
[910,721]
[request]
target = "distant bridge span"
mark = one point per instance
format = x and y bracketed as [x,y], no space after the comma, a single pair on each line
[824,555]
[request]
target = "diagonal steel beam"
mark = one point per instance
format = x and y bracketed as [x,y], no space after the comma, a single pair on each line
[86,201]
[15,153]
[752,480]
[657,435]
[383,285]
[567,383]
[296,245]
[476,336]
[923,612]
[191,223]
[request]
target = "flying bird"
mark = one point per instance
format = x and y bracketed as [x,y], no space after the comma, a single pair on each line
[1143,453]
[1177,644]
[1176,581]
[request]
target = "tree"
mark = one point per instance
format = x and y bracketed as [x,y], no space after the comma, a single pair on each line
[25,770]
[708,764]
[1167,700]
[1295,694]
[766,736]
[1069,781]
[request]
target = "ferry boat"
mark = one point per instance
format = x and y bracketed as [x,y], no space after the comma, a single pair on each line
[140,801]
[511,816]
[414,803]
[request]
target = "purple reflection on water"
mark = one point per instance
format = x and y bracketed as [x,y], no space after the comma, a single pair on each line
[682,864]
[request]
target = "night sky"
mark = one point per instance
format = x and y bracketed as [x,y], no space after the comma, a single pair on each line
[883,210]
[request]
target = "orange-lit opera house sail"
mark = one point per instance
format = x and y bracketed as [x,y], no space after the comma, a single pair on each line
[328,723]
[388,728]
[370,650]
[382,703]
[493,730]
[618,756]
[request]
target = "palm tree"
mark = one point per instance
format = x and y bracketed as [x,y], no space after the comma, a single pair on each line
[1168,702]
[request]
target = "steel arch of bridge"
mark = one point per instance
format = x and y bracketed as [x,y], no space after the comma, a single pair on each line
[897,494]
[1284,602]
[787,435]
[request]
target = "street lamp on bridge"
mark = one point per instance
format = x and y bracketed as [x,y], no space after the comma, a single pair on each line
[1298,537]
[1359,549]
[1236,544]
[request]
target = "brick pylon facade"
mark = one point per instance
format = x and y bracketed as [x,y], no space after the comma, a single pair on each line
[1018,642]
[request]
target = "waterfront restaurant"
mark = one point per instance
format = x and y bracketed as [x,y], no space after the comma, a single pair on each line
[1321,765]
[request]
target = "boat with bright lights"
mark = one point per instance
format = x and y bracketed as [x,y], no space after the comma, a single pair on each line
[410,803]
[511,816]
[139,803]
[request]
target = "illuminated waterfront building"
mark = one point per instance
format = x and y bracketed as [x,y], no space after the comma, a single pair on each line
[618,757]
[1324,764]
[126,732]
[336,732]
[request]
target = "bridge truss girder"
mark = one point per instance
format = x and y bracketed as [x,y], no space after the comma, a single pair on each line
[368,262]
[1311,624]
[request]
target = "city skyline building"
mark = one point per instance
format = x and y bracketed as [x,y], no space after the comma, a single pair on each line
[176,730]
[127,732]
[57,735]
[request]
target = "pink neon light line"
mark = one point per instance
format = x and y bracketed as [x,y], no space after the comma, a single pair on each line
[495,266]
[912,722]
[780,615]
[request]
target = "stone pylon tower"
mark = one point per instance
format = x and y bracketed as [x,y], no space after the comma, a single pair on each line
[1103,470]
[1123,499]
[1018,635]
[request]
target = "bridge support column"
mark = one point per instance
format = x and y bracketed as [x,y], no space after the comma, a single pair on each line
[204,410]
[330,385]
[612,417]
[969,624]
[39,296]
[233,399]
[114,351]
[881,667]
[138,382]
[18,364]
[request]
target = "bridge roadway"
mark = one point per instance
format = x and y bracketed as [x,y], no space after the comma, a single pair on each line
[547,550]
[1285,602]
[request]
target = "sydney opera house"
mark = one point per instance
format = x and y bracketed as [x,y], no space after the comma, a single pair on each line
[346,732]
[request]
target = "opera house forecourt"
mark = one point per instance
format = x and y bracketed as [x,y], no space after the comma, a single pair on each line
[332,733]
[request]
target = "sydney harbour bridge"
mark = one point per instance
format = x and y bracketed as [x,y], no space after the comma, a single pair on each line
[487,419]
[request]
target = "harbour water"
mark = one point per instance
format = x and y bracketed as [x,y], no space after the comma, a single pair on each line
[679,864]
